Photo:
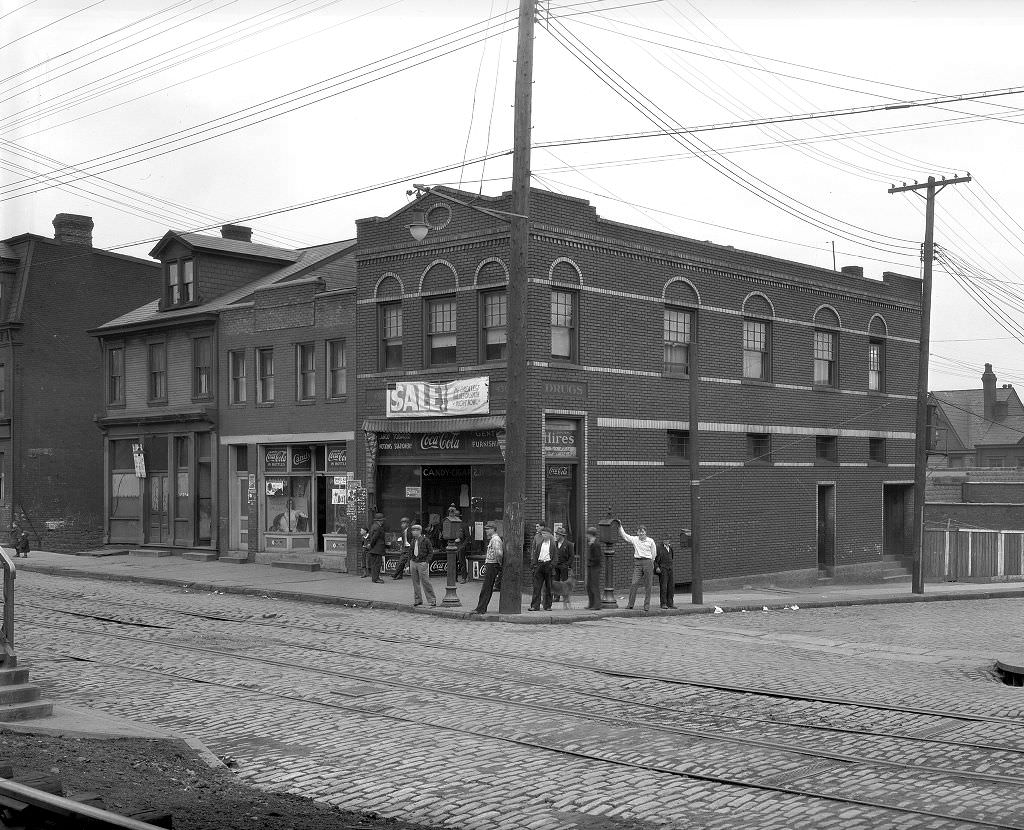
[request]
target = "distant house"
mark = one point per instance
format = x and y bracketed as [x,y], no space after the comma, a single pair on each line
[977,427]
[51,458]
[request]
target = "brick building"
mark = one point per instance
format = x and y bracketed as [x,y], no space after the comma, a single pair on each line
[806,385]
[51,291]
[188,396]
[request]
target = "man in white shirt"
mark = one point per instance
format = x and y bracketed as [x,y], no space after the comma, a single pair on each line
[644,551]
[492,562]
[543,566]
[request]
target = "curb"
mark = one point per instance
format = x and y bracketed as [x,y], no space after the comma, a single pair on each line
[526,618]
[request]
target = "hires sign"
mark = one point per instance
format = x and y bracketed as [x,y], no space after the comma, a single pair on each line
[419,399]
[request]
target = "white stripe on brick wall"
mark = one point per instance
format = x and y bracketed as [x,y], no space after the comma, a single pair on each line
[630,463]
[775,429]
[793,464]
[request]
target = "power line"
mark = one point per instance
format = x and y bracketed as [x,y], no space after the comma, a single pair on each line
[48,25]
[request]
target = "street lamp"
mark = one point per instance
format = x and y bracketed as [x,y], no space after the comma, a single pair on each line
[418,227]
[609,535]
[451,531]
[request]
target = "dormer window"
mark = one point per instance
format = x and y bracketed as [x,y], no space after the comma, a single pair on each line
[181,279]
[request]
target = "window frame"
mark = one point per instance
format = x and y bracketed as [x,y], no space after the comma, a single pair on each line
[234,378]
[573,327]
[766,352]
[681,370]
[682,438]
[112,399]
[384,342]
[485,328]
[755,458]
[830,445]
[261,397]
[879,343]
[305,377]
[175,282]
[872,455]
[3,391]
[332,370]
[429,333]
[197,369]
[833,381]
[151,397]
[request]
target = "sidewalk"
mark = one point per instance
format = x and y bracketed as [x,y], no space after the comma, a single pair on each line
[349,590]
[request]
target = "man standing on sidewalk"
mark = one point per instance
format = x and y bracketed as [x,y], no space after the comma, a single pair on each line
[405,546]
[421,556]
[644,551]
[376,545]
[492,564]
[543,568]
[593,570]
[666,578]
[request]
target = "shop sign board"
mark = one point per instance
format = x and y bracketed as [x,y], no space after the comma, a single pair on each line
[337,458]
[479,444]
[413,492]
[564,390]
[302,459]
[275,459]
[422,399]
[140,461]
[561,439]
[559,471]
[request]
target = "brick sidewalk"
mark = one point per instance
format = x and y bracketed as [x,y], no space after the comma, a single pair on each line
[346,589]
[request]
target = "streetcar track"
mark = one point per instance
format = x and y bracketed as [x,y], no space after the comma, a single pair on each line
[608,719]
[537,745]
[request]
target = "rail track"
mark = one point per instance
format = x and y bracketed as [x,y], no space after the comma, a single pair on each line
[151,638]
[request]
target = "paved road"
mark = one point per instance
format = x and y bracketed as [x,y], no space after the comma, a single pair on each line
[884,716]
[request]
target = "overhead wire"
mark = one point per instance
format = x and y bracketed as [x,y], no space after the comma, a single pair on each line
[51,23]
[18,9]
[472,109]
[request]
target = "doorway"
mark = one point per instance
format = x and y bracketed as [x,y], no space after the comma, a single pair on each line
[827,528]
[158,529]
[896,520]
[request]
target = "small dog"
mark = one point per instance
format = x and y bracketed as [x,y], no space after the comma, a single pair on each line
[563,590]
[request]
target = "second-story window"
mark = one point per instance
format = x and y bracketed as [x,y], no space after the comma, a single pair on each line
[158,371]
[237,370]
[876,366]
[678,330]
[305,371]
[441,328]
[824,358]
[826,449]
[390,328]
[563,325]
[202,367]
[3,390]
[756,360]
[181,281]
[337,368]
[265,372]
[115,375]
[495,325]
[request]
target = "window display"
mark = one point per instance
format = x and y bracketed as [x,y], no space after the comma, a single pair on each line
[287,507]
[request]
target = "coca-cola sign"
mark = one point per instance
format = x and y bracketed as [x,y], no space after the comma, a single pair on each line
[440,441]
[337,458]
[276,459]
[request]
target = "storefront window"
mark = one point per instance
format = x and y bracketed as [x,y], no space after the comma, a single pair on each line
[288,504]
[183,490]
[125,492]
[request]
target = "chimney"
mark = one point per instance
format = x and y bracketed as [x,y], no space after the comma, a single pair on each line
[853,270]
[72,229]
[239,233]
[988,384]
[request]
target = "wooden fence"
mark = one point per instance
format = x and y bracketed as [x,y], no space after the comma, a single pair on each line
[960,554]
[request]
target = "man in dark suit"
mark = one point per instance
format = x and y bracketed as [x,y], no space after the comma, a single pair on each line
[594,564]
[543,561]
[666,580]
[420,557]
[376,544]
[405,543]
[564,552]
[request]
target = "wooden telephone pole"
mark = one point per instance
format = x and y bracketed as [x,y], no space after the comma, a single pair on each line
[515,407]
[932,188]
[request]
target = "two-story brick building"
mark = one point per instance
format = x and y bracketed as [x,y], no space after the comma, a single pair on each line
[806,384]
[175,378]
[51,291]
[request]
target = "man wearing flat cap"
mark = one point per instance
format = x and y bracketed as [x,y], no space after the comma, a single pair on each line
[376,544]
[420,557]
[492,564]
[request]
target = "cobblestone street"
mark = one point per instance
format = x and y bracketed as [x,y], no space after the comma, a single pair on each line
[865,717]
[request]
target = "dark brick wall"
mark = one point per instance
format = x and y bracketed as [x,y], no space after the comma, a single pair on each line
[986,516]
[58,474]
[755,519]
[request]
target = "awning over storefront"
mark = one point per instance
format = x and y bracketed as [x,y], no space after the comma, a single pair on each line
[420,425]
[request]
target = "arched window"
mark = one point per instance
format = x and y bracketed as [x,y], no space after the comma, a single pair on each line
[877,331]
[826,347]
[757,337]
[388,293]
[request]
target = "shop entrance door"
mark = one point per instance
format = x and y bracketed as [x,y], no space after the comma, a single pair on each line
[826,528]
[158,527]
[444,486]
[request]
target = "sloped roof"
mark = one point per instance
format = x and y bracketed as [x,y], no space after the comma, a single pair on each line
[7,252]
[221,245]
[306,259]
[964,411]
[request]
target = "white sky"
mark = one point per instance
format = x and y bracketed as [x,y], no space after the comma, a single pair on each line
[419,119]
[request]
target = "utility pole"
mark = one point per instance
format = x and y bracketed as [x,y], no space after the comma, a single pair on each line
[696,565]
[932,188]
[511,601]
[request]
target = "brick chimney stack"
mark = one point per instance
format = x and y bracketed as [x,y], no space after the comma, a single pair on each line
[239,233]
[853,270]
[72,229]
[988,384]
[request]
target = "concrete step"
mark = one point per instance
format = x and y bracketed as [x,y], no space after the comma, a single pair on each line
[297,566]
[234,558]
[26,711]
[149,553]
[18,693]
[13,676]
[902,577]
[200,555]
